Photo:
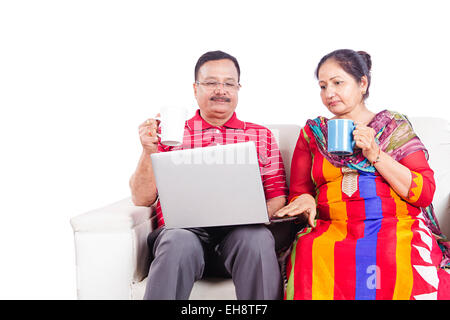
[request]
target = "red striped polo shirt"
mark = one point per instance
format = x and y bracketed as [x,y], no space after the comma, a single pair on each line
[198,134]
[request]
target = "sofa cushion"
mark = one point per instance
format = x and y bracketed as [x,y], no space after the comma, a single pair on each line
[205,289]
[435,135]
[286,136]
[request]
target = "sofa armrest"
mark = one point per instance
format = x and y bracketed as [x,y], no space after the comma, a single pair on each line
[111,249]
[122,215]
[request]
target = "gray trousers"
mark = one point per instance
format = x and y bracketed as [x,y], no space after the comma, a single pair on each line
[183,256]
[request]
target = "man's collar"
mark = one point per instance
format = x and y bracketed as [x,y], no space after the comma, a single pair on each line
[195,121]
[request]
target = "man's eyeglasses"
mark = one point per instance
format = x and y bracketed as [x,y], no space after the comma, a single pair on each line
[211,85]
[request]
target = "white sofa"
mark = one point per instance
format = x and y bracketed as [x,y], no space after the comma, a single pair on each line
[110,242]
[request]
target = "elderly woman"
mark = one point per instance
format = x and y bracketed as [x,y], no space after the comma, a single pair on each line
[372,229]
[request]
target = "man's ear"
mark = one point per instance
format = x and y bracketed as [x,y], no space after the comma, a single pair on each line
[194,85]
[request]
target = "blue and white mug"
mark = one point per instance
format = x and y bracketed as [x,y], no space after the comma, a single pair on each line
[340,137]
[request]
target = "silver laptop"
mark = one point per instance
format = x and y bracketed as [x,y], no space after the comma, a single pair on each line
[212,186]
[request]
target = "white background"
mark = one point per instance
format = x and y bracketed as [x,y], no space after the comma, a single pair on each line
[78,77]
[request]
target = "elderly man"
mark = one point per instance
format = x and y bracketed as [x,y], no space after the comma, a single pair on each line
[247,252]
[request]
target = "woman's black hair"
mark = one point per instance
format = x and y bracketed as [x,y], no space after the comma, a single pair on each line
[355,63]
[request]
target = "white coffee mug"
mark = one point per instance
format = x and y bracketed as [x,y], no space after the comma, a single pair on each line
[172,121]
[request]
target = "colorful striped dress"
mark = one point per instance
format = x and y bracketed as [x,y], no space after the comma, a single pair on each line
[369,242]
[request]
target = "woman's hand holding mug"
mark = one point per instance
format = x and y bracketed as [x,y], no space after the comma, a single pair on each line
[365,140]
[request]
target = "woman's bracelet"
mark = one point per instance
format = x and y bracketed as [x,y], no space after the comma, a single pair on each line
[378,157]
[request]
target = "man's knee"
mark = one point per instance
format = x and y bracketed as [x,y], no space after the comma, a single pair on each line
[254,237]
[178,242]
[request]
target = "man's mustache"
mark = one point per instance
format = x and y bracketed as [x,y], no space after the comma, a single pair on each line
[218,98]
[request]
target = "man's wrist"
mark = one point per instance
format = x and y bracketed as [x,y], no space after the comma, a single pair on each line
[147,152]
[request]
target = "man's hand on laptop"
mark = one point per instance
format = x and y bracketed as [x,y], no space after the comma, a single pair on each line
[274,205]
[148,135]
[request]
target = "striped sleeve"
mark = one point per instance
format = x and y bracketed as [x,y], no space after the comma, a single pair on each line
[272,169]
